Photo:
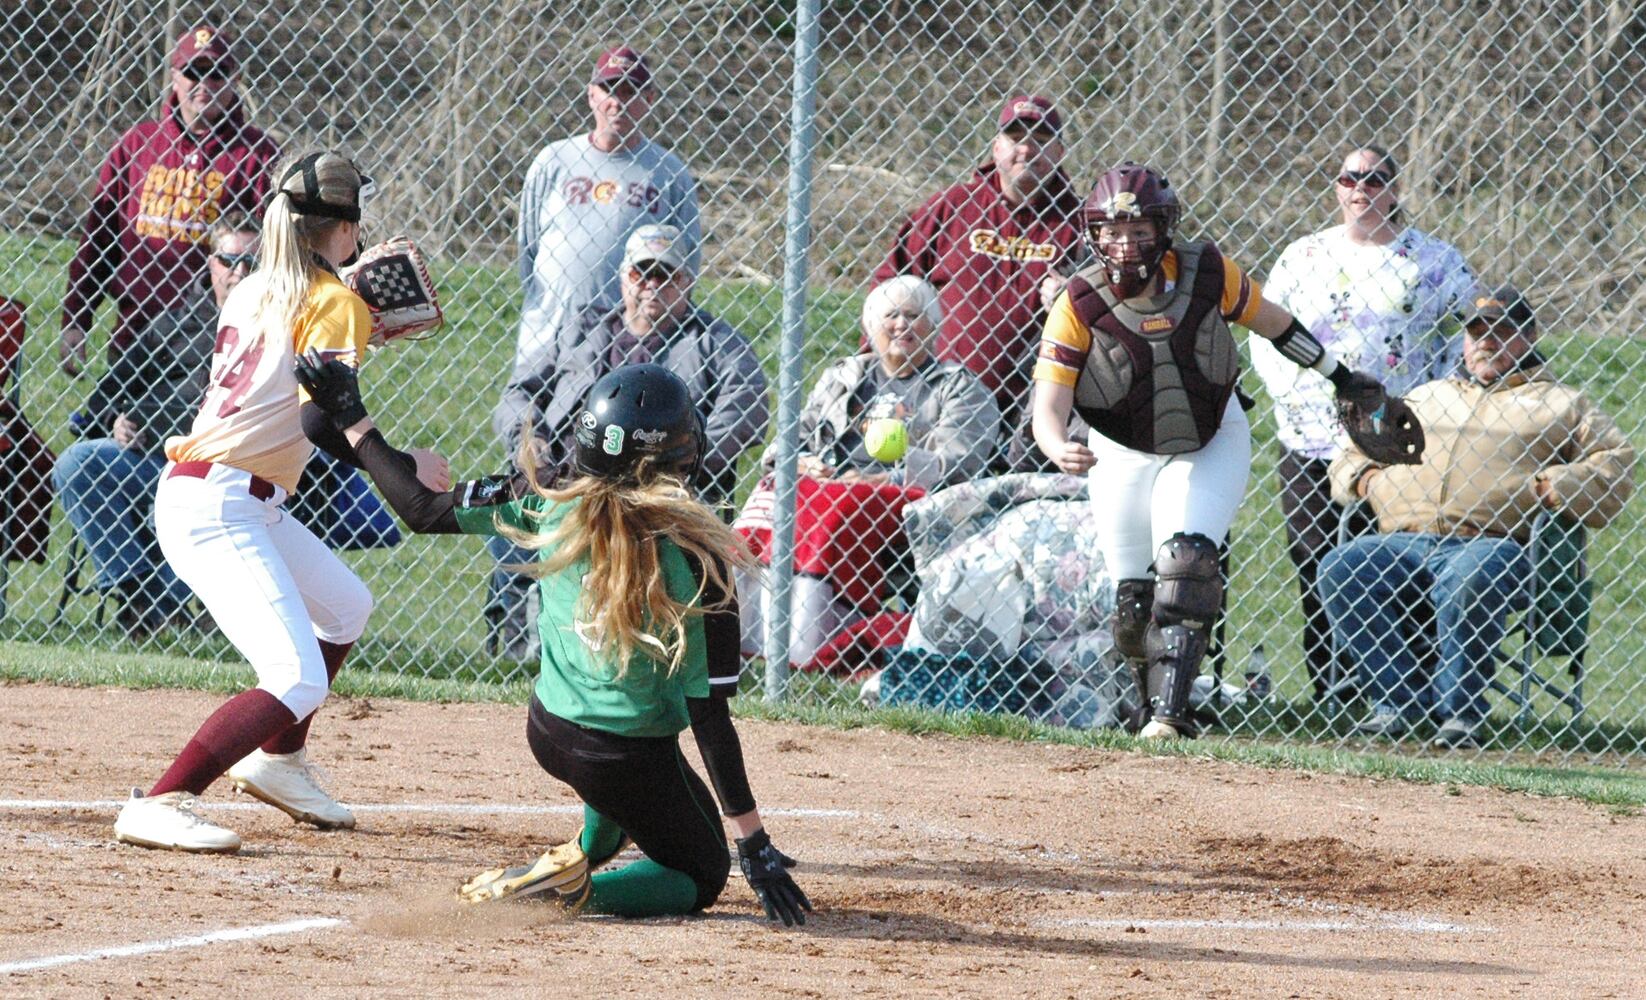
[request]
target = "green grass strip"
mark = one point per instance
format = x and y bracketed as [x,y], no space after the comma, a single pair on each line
[1624,791]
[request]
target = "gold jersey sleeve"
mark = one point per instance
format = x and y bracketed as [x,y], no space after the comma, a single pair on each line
[249,416]
[1066,341]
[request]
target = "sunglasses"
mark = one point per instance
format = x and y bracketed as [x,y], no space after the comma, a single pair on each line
[1368,178]
[654,272]
[234,260]
[195,73]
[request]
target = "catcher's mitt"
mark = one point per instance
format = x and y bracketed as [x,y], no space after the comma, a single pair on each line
[393,279]
[1380,425]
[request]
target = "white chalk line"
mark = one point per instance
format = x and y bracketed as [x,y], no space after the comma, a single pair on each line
[1368,920]
[1407,923]
[448,808]
[174,944]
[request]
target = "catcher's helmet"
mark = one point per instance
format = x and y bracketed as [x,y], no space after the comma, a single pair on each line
[1128,193]
[636,413]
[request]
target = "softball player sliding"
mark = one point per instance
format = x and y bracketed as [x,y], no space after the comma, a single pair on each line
[639,636]
[287,602]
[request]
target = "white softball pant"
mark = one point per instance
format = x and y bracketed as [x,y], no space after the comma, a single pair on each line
[273,588]
[1139,500]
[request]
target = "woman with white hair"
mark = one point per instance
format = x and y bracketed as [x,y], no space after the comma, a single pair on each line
[949,420]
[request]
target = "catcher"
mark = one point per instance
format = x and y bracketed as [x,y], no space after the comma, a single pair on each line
[1139,345]
[639,633]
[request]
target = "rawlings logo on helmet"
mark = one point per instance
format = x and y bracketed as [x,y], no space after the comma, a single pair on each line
[588,420]
[1123,202]
[649,436]
[202,38]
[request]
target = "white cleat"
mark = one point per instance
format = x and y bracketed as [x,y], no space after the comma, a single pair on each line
[1157,730]
[169,822]
[287,782]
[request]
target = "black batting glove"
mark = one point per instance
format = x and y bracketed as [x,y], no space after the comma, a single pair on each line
[332,386]
[764,869]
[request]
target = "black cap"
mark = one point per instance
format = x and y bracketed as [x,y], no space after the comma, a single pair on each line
[1499,304]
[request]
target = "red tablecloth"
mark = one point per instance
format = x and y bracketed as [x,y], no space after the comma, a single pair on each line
[839,530]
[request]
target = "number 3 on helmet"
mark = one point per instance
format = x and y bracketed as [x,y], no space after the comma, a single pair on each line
[639,414]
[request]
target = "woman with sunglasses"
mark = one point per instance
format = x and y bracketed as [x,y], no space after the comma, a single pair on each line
[1384,297]
[286,601]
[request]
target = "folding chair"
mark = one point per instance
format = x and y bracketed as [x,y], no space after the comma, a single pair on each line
[1554,625]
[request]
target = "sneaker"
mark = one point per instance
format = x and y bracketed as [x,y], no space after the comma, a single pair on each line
[1383,722]
[561,876]
[1455,733]
[289,783]
[169,822]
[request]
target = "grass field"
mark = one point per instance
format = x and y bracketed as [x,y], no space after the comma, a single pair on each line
[439,395]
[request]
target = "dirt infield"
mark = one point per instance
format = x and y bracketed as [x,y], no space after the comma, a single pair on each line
[939,867]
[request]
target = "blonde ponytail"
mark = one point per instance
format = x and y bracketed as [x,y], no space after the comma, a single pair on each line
[316,194]
[626,607]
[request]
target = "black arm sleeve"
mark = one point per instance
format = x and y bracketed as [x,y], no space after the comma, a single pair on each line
[318,428]
[711,719]
[722,753]
[394,473]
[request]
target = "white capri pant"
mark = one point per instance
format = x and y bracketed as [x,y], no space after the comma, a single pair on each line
[273,588]
[1139,500]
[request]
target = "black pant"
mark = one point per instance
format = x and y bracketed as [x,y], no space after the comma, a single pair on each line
[645,786]
[1311,532]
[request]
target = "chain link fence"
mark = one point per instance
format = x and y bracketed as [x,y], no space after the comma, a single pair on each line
[968,568]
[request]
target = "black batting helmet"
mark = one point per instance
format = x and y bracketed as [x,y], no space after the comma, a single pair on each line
[634,414]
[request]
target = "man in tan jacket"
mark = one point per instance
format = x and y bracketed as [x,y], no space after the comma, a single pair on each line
[1505,442]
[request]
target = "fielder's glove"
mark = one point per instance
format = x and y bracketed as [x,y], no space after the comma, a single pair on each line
[393,280]
[764,869]
[333,386]
[1380,425]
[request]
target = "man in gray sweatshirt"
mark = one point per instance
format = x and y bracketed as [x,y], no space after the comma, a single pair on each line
[584,197]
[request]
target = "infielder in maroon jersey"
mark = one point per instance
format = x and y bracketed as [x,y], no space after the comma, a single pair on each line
[997,247]
[145,238]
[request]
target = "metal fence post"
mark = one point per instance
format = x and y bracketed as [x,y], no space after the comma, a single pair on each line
[797,238]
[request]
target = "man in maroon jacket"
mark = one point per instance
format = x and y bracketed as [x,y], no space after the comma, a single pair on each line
[998,248]
[145,241]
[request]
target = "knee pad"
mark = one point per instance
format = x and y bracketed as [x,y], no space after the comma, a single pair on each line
[1134,603]
[1189,582]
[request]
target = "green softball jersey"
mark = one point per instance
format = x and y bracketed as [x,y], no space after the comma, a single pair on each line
[577,681]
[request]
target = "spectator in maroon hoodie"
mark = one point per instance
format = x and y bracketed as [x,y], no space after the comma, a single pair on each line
[998,247]
[145,239]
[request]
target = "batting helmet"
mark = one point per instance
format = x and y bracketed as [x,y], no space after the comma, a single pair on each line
[639,413]
[1131,192]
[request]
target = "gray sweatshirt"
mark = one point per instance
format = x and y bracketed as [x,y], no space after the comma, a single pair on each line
[578,208]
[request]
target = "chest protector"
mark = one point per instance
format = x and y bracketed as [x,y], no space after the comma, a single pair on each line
[1160,369]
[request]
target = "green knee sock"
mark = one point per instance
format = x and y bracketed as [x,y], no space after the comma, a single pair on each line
[601,837]
[643,889]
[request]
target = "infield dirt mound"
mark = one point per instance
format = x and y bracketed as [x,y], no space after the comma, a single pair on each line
[940,867]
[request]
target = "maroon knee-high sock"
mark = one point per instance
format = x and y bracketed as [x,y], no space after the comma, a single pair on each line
[234,730]
[297,734]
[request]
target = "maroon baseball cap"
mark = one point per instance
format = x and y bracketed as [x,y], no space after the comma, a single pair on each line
[622,63]
[204,44]
[1031,108]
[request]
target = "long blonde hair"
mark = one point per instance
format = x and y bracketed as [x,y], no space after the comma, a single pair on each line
[619,527]
[314,196]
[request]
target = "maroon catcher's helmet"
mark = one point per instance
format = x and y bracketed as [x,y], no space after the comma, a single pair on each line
[1128,193]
